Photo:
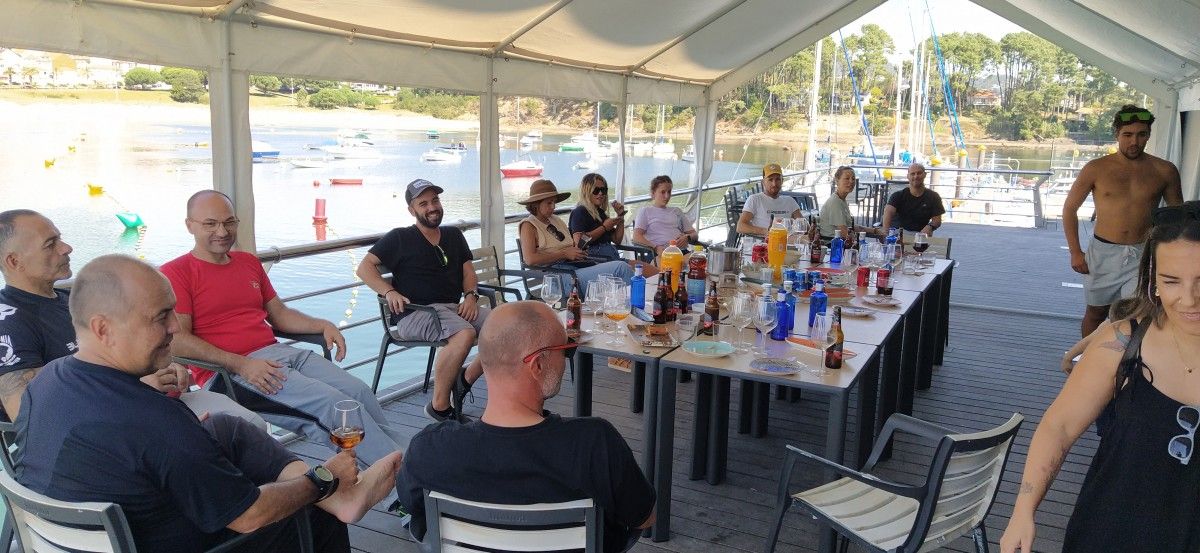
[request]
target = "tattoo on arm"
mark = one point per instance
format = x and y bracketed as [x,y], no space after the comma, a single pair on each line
[1119,342]
[14,383]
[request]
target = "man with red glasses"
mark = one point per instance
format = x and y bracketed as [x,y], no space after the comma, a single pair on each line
[431,265]
[518,453]
[1126,186]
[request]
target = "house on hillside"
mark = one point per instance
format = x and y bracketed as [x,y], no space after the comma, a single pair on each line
[11,65]
[985,99]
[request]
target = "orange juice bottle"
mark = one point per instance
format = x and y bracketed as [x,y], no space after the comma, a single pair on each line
[776,248]
[671,259]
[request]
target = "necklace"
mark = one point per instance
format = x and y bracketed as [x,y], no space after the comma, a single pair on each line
[1179,350]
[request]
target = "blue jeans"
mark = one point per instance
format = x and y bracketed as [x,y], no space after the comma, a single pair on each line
[604,251]
[587,274]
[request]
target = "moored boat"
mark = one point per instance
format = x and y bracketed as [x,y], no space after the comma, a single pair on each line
[521,168]
[345,181]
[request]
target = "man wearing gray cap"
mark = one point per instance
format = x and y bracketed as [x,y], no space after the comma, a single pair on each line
[431,265]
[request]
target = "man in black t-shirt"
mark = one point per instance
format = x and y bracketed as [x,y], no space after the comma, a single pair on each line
[431,265]
[90,430]
[518,453]
[916,208]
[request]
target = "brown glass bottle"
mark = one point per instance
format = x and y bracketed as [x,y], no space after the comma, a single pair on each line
[662,298]
[836,348]
[681,297]
[712,312]
[574,313]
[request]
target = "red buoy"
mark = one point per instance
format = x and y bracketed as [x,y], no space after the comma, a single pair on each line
[316,183]
[319,212]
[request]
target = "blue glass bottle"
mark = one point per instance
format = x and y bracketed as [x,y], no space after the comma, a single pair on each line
[789,290]
[817,303]
[783,316]
[637,288]
[836,247]
[892,236]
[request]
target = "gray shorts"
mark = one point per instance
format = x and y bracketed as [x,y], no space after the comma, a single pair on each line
[418,325]
[1112,271]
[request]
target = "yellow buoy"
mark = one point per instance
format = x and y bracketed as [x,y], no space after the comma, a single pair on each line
[71,149]
[95,189]
[49,163]
[935,161]
[962,152]
[887,174]
[982,147]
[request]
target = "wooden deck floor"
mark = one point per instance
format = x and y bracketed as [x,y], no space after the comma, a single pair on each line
[999,361]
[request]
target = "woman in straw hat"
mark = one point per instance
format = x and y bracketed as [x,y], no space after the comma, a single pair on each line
[545,239]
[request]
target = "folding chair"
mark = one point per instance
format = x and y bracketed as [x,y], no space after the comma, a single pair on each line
[455,525]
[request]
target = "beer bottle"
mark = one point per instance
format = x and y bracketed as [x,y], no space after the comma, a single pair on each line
[833,353]
[712,312]
[682,305]
[662,298]
[574,313]
[814,255]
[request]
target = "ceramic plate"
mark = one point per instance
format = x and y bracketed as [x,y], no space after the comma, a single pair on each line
[857,312]
[876,299]
[708,349]
[777,366]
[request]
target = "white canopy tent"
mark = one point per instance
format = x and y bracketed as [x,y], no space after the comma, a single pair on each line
[679,52]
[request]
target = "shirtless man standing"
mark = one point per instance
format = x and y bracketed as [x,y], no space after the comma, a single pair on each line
[1126,187]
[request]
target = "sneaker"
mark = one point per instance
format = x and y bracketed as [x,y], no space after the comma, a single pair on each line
[460,391]
[438,416]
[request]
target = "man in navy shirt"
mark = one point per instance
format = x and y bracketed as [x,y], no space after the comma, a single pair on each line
[518,453]
[90,430]
[35,325]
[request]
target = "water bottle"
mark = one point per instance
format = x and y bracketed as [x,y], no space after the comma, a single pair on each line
[637,288]
[817,303]
[782,316]
[836,247]
[789,296]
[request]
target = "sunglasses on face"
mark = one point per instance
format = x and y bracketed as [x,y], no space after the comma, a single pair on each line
[599,191]
[568,350]
[1176,214]
[1138,115]
[1181,446]
[558,235]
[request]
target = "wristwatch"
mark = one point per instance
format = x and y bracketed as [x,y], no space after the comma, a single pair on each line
[471,293]
[324,480]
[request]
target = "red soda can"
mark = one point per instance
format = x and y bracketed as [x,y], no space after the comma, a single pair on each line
[864,276]
[759,253]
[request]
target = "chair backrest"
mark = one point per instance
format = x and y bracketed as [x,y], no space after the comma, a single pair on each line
[962,484]
[487,265]
[51,526]
[457,525]
[8,440]
[939,246]
[806,200]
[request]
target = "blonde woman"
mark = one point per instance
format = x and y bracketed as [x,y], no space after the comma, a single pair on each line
[590,217]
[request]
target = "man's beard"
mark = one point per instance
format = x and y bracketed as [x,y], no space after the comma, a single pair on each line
[428,219]
[1139,153]
[550,388]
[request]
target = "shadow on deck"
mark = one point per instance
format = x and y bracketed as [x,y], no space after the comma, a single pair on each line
[999,361]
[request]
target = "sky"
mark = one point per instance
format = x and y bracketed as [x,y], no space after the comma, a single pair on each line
[949,16]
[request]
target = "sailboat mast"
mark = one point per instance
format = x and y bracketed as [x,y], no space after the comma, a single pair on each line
[810,154]
[899,89]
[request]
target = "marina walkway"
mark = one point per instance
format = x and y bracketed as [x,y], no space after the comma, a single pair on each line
[1011,319]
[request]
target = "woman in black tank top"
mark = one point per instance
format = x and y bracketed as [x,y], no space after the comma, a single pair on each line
[1142,491]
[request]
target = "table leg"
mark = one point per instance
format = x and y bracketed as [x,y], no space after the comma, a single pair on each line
[651,413]
[907,382]
[583,384]
[637,391]
[745,405]
[700,430]
[891,364]
[718,430]
[762,409]
[793,394]
[665,445]
[930,302]
[944,316]
[868,392]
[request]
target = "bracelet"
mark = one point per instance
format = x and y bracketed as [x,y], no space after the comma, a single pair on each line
[390,290]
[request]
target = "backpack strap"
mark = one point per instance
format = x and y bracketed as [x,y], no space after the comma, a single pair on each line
[1129,361]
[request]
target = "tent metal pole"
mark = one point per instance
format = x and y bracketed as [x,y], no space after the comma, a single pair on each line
[229,115]
[492,198]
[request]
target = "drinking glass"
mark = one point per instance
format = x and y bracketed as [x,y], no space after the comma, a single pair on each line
[593,302]
[920,244]
[889,253]
[741,315]
[686,326]
[551,290]
[765,321]
[616,308]
[347,428]
[819,334]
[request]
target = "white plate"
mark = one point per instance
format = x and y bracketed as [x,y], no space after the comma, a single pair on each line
[708,349]
[857,312]
[777,366]
[876,299]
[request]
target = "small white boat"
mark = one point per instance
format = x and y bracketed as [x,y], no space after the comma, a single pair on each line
[456,147]
[689,153]
[535,134]
[588,164]
[441,156]
[309,162]
[606,149]
[351,150]
[640,148]
[261,152]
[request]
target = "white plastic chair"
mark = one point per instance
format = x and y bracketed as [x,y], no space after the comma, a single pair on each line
[456,525]
[883,516]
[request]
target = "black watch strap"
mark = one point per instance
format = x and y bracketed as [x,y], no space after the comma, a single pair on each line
[323,479]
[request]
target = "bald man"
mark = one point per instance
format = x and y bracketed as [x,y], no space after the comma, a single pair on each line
[518,453]
[227,311]
[916,208]
[35,324]
[184,485]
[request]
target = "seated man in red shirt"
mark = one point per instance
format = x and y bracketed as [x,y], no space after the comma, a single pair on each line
[225,302]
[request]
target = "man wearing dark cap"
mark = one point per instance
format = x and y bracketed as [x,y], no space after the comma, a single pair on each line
[762,208]
[431,265]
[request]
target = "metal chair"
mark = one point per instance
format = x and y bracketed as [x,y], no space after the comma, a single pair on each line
[455,525]
[883,516]
[8,440]
[490,276]
[734,203]
[227,386]
[47,524]
[806,200]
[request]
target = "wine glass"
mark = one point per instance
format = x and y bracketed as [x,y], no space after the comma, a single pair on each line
[741,315]
[819,334]
[551,290]
[593,302]
[616,308]
[347,428]
[765,321]
[920,244]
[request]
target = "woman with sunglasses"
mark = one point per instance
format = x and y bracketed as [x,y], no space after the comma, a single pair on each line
[590,217]
[546,239]
[1143,487]
[658,224]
